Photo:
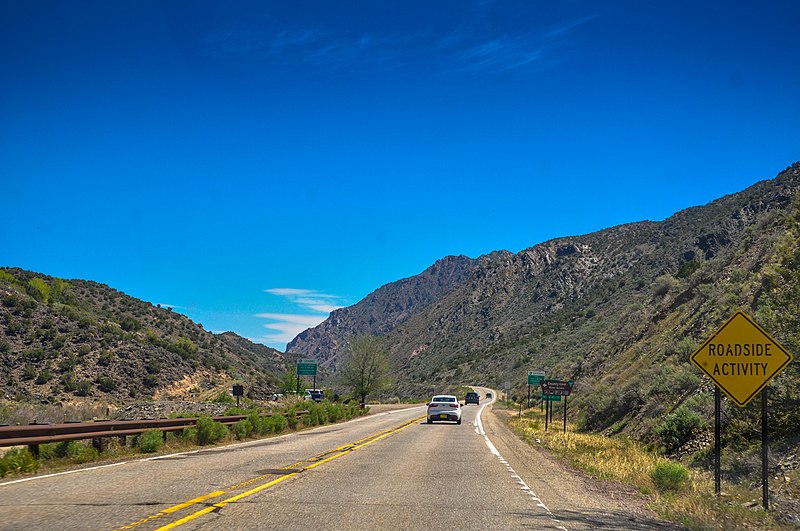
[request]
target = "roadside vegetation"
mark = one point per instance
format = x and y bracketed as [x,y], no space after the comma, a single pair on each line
[677,491]
[294,415]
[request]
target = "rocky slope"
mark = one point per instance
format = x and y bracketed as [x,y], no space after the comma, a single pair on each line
[382,311]
[65,339]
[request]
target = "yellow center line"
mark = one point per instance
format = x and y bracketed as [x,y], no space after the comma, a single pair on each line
[297,468]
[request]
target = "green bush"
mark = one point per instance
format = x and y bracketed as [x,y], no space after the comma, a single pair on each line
[669,476]
[678,428]
[210,431]
[19,460]
[79,452]
[279,423]
[151,441]
[242,429]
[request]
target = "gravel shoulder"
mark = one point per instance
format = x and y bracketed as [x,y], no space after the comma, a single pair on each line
[575,498]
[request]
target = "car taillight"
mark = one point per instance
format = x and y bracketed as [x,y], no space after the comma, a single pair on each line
[453,405]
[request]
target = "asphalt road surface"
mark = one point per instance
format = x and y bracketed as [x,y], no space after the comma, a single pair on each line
[387,470]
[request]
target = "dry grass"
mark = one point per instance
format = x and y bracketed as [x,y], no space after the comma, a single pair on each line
[620,459]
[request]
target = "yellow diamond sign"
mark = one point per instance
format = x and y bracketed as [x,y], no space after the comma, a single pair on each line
[741,358]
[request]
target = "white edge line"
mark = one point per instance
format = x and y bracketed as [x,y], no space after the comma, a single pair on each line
[493,449]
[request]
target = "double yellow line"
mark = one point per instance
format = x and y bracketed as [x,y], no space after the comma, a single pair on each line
[292,470]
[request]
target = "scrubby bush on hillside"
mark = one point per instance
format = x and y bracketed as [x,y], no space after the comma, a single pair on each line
[678,428]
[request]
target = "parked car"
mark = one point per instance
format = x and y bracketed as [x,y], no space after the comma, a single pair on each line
[314,394]
[472,398]
[444,407]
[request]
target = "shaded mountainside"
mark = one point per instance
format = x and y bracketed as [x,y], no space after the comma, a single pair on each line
[380,312]
[620,311]
[60,339]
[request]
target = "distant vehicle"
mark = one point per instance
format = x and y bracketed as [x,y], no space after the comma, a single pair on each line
[314,394]
[444,407]
[488,395]
[472,398]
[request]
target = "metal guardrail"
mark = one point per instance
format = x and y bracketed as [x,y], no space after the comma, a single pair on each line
[33,435]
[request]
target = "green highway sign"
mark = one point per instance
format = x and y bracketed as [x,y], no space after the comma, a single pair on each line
[551,398]
[535,377]
[307,367]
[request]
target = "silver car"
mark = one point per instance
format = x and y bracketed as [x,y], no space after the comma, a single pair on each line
[444,407]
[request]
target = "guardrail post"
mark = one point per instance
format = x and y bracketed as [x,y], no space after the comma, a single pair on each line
[97,443]
[34,450]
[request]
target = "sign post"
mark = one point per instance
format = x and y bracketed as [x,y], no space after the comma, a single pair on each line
[741,359]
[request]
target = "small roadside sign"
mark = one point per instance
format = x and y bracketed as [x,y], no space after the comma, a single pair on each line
[741,358]
[551,398]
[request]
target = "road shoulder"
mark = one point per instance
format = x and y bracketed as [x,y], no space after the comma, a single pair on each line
[578,500]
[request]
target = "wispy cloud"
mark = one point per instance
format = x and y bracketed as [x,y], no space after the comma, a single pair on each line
[286,326]
[313,307]
[452,47]
[522,51]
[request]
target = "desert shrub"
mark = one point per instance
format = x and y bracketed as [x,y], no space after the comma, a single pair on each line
[20,461]
[317,415]
[39,289]
[210,431]
[105,359]
[83,388]
[669,476]
[151,441]
[678,428]
[44,377]
[335,412]
[28,372]
[242,429]
[663,285]
[184,347]
[82,452]
[280,423]
[106,384]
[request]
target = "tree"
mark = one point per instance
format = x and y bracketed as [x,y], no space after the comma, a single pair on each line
[288,382]
[366,367]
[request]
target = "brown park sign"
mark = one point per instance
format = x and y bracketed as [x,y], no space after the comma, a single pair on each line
[741,358]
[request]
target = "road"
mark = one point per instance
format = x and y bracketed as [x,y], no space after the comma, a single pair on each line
[388,470]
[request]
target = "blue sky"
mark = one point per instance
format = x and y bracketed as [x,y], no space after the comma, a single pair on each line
[256,164]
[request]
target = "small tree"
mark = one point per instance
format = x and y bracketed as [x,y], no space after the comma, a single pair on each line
[366,367]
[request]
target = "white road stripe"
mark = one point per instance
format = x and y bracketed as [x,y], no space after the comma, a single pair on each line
[524,486]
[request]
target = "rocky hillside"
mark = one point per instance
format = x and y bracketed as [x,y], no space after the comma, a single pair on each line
[65,339]
[619,311]
[380,312]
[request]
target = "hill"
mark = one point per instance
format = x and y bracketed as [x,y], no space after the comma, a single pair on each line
[63,339]
[619,311]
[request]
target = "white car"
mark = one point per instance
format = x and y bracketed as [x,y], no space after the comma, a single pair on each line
[444,407]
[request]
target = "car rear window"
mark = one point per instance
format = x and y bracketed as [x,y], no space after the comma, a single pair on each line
[443,399]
